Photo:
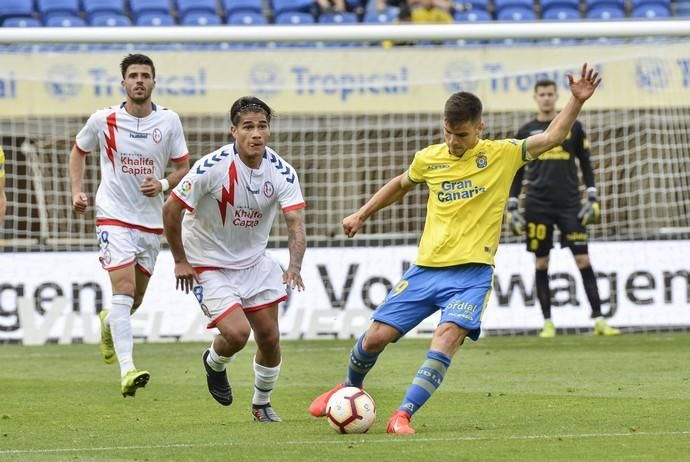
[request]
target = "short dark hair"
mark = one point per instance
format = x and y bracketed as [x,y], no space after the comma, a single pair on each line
[249,104]
[135,58]
[463,107]
[545,83]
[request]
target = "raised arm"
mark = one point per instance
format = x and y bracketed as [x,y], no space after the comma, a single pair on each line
[297,244]
[559,127]
[76,173]
[390,193]
[172,220]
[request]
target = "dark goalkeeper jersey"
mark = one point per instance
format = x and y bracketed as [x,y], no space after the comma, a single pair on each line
[552,179]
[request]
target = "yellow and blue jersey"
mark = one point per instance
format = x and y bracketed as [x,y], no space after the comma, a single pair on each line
[2,163]
[467,196]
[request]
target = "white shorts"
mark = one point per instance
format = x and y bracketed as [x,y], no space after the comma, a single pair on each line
[122,247]
[222,290]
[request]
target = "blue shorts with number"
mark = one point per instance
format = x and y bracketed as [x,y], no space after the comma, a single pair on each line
[460,292]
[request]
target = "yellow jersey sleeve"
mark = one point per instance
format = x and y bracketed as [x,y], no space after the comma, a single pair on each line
[415,172]
[2,163]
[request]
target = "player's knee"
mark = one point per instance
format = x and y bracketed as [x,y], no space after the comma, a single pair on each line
[267,338]
[582,261]
[237,337]
[541,263]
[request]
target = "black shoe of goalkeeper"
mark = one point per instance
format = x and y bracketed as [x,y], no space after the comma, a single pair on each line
[218,384]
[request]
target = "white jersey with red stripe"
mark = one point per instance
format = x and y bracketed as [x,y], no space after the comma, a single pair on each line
[132,148]
[231,207]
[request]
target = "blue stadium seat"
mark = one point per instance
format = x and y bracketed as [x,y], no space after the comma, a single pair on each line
[473,16]
[501,4]
[246,18]
[516,13]
[109,20]
[49,8]
[462,6]
[200,19]
[338,18]
[651,11]
[666,3]
[64,20]
[155,20]
[561,13]
[606,13]
[294,18]
[281,6]
[9,8]
[547,4]
[19,21]
[138,7]
[235,6]
[184,7]
[591,4]
[92,7]
[380,17]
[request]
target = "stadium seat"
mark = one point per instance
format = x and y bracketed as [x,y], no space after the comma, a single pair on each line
[138,7]
[246,18]
[109,20]
[651,11]
[200,19]
[236,6]
[502,4]
[591,4]
[606,13]
[281,6]
[294,18]
[19,21]
[64,20]
[10,8]
[92,7]
[666,3]
[473,16]
[381,17]
[184,7]
[338,18]
[547,4]
[516,13]
[48,8]
[561,13]
[155,20]
[461,6]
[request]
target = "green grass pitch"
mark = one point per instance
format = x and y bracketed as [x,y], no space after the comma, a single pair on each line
[504,398]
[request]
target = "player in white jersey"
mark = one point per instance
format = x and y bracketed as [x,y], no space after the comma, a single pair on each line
[231,197]
[136,139]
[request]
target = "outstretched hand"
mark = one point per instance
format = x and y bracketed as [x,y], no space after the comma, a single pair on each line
[584,88]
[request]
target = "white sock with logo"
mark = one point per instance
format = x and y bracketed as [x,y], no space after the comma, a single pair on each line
[264,380]
[121,329]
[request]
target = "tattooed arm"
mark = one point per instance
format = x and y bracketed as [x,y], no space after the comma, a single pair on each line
[297,243]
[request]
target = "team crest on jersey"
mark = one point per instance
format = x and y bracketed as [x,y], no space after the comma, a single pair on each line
[481,159]
[269,190]
[157,135]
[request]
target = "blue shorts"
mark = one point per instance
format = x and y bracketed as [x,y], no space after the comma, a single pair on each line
[460,292]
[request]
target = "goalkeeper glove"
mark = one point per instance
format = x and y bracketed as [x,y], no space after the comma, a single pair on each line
[514,218]
[590,212]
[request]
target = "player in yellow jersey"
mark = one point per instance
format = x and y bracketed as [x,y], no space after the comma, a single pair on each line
[3,199]
[468,179]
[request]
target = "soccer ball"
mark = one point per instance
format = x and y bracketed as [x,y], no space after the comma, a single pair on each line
[351,410]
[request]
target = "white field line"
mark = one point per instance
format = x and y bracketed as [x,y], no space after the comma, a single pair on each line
[343,440]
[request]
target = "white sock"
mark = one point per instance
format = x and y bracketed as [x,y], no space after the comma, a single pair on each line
[121,329]
[216,361]
[264,380]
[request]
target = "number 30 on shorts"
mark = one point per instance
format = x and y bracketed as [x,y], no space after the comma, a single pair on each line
[536,230]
